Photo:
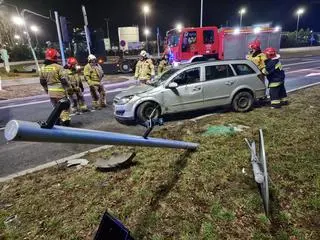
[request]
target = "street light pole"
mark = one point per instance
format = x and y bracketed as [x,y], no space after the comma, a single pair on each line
[241,12]
[300,11]
[201,13]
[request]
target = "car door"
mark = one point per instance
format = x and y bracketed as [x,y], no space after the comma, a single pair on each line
[187,95]
[220,81]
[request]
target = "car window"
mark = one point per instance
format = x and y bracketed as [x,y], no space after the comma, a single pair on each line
[208,37]
[218,72]
[188,77]
[243,69]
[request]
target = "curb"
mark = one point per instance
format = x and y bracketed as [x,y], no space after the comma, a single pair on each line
[51,164]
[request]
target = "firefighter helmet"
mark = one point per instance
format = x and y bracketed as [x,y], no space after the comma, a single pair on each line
[143,53]
[270,52]
[255,45]
[52,54]
[71,61]
[92,57]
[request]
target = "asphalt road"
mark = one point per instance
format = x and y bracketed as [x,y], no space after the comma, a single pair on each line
[18,156]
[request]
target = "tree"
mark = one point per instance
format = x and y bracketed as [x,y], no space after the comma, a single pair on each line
[7,29]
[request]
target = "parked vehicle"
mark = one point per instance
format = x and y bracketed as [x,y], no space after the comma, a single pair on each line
[201,43]
[191,87]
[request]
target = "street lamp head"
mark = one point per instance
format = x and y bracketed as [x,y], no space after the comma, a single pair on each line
[146,9]
[300,11]
[257,30]
[34,28]
[16,37]
[236,31]
[277,29]
[146,32]
[17,20]
[179,27]
[242,11]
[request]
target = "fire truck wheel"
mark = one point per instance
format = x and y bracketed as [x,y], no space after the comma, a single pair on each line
[125,67]
[243,101]
[147,111]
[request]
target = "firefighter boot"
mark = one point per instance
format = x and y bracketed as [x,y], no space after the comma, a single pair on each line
[65,118]
[95,105]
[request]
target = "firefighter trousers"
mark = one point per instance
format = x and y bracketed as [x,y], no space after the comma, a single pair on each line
[98,95]
[278,95]
[78,101]
[65,115]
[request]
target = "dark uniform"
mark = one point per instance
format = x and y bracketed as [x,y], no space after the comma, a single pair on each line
[276,77]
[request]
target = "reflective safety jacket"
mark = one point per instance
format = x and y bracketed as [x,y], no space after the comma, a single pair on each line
[144,70]
[74,78]
[274,72]
[163,66]
[258,58]
[93,74]
[53,80]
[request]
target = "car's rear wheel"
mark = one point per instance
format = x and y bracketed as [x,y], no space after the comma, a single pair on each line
[243,101]
[147,111]
[125,67]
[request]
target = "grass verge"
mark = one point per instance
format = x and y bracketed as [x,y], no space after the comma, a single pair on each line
[174,194]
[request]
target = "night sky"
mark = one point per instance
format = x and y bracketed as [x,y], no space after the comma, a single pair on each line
[165,13]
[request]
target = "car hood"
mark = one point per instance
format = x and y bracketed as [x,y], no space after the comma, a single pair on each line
[135,90]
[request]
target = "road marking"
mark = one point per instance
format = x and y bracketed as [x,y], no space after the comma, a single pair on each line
[2,129]
[303,87]
[313,74]
[52,164]
[300,63]
[303,70]
[44,101]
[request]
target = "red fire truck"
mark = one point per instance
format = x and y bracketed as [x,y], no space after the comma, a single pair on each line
[196,44]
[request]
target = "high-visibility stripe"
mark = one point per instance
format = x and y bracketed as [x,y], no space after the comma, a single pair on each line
[275,84]
[279,66]
[275,102]
[56,90]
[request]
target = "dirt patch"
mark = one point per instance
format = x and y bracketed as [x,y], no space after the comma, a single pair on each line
[21,91]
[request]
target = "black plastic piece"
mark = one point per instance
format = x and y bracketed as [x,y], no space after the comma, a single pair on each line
[150,124]
[63,104]
[111,228]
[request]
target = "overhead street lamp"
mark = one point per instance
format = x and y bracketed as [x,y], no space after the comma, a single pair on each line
[146,32]
[179,27]
[299,12]
[17,37]
[35,30]
[242,11]
[18,20]
[146,11]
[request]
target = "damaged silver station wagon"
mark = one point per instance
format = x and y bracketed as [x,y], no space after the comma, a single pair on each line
[190,87]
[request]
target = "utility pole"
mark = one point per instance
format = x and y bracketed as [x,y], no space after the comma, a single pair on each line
[60,38]
[85,18]
[201,13]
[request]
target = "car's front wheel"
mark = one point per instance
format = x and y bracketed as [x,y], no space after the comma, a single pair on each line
[147,111]
[243,102]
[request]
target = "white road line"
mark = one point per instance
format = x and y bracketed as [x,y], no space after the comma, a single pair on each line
[303,87]
[2,129]
[300,63]
[44,101]
[304,70]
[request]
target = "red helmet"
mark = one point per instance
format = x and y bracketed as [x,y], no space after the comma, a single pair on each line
[71,61]
[52,54]
[270,52]
[255,45]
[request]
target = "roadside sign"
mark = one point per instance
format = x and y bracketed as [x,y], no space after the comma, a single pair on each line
[123,43]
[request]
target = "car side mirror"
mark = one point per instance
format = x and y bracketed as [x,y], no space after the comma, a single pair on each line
[173,85]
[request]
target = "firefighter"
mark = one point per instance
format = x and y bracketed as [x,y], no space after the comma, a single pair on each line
[76,91]
[256,55]
[93,74]
[144,69]
[54,81]
[276,77]
[164,64]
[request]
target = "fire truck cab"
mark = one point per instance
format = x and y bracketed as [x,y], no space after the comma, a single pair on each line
[194,44]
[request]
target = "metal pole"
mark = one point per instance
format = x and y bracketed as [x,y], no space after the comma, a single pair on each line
[240,19]
[60,38]
[297,27]
[85,18]
[158,42]
[108,32]
[145,28]
[29,42]
[32,132]
[201,13]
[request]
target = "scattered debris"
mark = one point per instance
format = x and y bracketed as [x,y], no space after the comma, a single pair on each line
[221,130]
[12,222]
[76,162]
[117,160]
[202,117]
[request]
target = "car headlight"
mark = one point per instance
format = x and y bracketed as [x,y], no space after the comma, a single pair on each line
[125,100]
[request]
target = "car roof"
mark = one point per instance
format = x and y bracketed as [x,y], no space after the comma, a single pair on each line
[218,62]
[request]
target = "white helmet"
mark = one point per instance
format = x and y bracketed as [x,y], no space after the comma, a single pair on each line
[143,53]
[91,57]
